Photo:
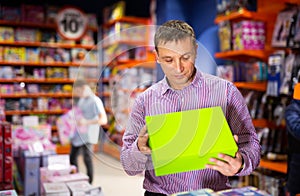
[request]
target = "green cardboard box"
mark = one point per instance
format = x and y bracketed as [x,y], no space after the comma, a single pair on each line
[185,141]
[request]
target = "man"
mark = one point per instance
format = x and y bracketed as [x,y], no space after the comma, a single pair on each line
[292,117]
[93,113]
[185,88]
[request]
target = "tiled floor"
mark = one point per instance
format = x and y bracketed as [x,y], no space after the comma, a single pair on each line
[108,174]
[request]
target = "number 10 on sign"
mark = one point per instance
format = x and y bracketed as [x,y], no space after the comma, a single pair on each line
[71,23]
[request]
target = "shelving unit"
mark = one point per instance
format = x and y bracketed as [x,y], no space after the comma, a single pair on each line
[122,41]
[269,18]
[30,65]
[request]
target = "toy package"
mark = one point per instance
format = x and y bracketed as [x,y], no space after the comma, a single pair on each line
[274,74]
[88,39]
[248,34]
[11,13]
[33,55]
[225,36]
[6,34]
[14,54]
[32,13]
[51,13]
[27,35]
[282,28]
[78,55]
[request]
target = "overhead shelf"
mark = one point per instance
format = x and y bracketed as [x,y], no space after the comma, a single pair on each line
[244,55]
[35,25]
[28,112]
[243,14]
[54,64]
[47,45]
[37,95]
[258,86]
[47,80]
[274,165]
[129,19]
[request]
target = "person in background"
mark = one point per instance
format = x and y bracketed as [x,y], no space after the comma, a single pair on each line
[93,112]
[292,117]
[186,88]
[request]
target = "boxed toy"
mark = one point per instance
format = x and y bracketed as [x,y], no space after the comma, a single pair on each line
[32,13]
[6,34]
[27,35]
[56,189]
[11,13]
[33,55]
[14,54]
[83,188]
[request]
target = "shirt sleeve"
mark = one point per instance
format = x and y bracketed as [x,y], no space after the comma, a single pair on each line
[132,160]
[240,122]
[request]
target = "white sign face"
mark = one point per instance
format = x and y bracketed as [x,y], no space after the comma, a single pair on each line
[71,23]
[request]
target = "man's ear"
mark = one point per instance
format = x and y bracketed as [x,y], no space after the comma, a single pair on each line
[156,56]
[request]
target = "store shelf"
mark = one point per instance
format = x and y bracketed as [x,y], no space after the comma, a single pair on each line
[37,95]
[48,80]
[243,14]
[135,63]
[126,42]
[29,112]
[129,19]
[35,25]
[258,86]
[63,149]
[260,123]
[48,45]
[55,64]
[273,165]
[244,55]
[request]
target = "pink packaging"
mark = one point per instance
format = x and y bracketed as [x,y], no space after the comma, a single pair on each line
[69,178]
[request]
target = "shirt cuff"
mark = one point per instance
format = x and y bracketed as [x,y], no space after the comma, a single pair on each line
[138,155]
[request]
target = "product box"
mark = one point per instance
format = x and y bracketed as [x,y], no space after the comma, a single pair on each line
[27,35]
[32,13]
[31,173]
[1,154]
[203,139]
[69,178]
[8,193]
[56,189]
[6,34]
[7,153]
[14,54]
[83,188]
[11,13]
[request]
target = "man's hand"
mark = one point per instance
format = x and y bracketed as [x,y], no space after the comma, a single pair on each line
[142,142]
[228,166]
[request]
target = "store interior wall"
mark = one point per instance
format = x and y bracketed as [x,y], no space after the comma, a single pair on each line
[200,15]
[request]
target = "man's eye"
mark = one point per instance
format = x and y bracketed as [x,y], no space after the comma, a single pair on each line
[186,58]
[168,60]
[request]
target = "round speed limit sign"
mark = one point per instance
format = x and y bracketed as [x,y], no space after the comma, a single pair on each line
[71,23]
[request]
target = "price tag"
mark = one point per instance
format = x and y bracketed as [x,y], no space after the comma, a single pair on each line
[71,23]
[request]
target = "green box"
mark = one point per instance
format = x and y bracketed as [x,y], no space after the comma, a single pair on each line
[185,141]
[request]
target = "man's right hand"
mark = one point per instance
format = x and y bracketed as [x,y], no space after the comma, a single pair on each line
[142,142]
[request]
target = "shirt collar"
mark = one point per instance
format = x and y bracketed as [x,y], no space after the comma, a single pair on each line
[196,82]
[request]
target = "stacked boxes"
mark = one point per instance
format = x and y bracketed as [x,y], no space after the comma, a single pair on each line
[6,159]
[248,35]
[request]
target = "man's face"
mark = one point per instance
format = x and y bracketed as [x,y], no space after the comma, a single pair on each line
[177,61]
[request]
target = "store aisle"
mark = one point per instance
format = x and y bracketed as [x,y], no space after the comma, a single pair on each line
[108,174]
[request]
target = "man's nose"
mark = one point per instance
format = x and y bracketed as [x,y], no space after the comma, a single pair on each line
[178,66]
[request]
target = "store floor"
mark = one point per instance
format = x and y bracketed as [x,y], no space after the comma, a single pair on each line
[109,175]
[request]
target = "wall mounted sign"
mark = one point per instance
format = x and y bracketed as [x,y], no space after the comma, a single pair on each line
[71,23]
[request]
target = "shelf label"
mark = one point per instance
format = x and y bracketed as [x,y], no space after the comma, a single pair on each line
[71,23]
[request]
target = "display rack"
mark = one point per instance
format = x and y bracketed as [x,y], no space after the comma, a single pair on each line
[116,66]
[45,81]
[269,17]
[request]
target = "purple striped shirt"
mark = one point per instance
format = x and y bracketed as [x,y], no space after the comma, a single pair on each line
[204,91]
